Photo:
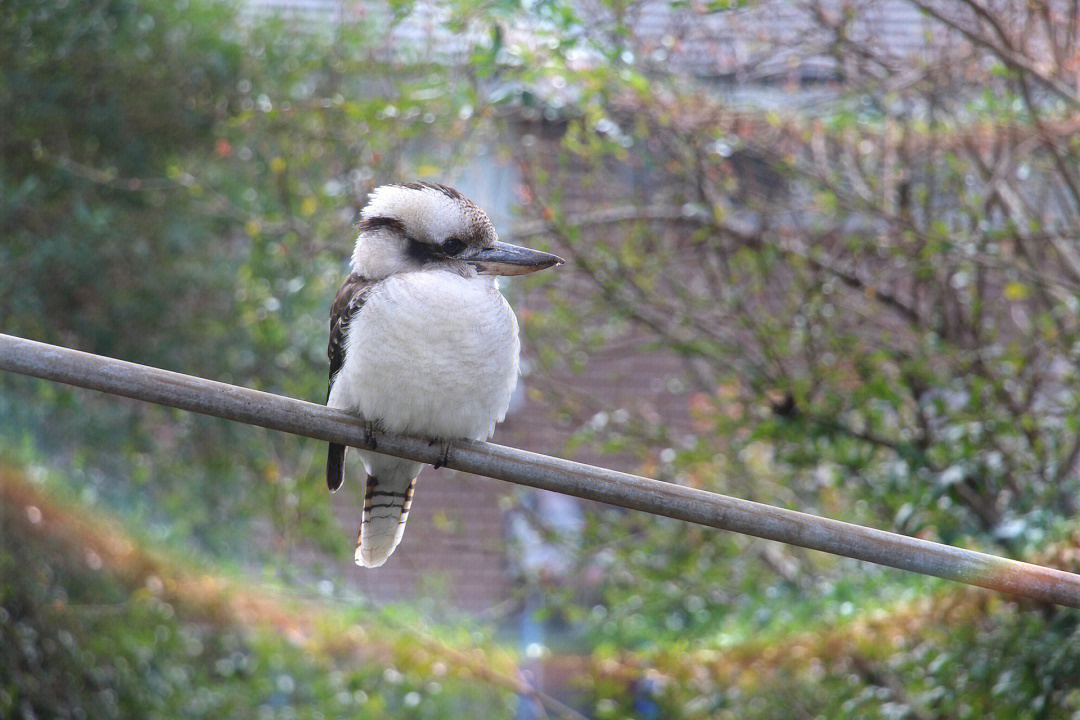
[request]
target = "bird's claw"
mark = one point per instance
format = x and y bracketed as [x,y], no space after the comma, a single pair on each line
[444,455]
[370,428]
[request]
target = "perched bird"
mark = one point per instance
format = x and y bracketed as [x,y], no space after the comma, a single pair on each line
[421,340]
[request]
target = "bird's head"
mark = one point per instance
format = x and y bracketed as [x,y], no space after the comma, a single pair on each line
[414,226]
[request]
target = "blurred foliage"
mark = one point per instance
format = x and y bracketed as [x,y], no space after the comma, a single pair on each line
[872,300]
[958,657]
[177,190]
[97,97]
[87,631]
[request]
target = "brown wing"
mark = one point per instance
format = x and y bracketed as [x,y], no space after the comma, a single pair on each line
[350,298]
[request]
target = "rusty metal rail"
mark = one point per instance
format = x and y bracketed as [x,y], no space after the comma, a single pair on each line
[208,397]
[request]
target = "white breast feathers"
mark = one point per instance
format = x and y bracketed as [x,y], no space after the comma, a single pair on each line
[431,353]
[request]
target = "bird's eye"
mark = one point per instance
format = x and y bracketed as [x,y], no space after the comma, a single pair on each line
[452,246]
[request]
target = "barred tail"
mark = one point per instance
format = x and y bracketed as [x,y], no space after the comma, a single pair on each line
[386,508]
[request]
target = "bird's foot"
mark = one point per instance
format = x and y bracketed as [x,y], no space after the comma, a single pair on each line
[444,455]
[370,428]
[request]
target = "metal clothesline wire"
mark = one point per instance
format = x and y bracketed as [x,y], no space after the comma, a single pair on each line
[633,492]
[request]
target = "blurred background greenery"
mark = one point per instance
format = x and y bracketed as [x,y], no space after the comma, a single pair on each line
[823,254]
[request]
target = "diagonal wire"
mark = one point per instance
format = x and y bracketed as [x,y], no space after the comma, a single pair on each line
[634,492]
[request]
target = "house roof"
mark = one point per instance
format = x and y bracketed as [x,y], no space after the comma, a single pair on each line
[765,40]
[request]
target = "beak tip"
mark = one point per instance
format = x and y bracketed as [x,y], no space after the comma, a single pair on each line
[550,262]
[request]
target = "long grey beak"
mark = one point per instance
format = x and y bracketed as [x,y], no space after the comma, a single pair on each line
[506,259]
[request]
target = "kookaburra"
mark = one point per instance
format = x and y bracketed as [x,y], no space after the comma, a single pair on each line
[421,340]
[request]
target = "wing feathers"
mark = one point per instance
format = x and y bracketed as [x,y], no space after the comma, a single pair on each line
[335,467]
[350,298]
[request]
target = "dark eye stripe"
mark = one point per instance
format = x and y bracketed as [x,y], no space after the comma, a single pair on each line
[422,252]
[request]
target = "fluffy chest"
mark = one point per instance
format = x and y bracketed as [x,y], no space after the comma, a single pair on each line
[431,353]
